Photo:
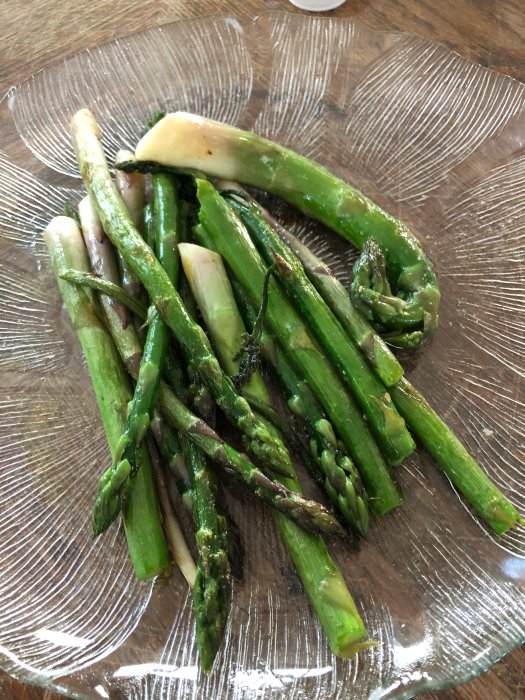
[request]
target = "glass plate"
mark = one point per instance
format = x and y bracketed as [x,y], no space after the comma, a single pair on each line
[436,140]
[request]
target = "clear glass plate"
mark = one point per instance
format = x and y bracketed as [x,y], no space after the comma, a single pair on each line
[436,140]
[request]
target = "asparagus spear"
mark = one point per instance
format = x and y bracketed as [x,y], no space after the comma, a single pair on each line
[116,483]
[179,549]
[333,469]
[226,234]
[338,615]
[336,296]
[385,422]
[309,514]
[212,591]
[146,542]
[431,431]
[211,287]
[190,142]
[235,545]
[138,254]
[108,289]
[120,325]
[466,475]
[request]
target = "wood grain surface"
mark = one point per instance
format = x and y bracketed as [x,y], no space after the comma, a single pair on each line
[35,33]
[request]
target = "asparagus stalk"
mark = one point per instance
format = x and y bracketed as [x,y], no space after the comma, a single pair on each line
[211,287]
[179,549]
[120,325]
[235,545]
[338,614]
[212,591]
[144,534]
[309,514]
[466,475]
[104,265]
[333,469]
[190,142]
[238,251]
[373,347]
[138,254]
[430,430]
[108,289]
[385,422]
[116,483]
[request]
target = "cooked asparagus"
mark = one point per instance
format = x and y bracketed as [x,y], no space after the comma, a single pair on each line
[338,615]
[145,537]
[225,233]
[385,422]
[120,229]
[191,142]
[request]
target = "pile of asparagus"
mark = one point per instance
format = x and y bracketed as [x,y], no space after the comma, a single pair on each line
[179,289]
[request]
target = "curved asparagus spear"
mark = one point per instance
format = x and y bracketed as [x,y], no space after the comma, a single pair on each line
[191,142]
[338,615]
[336,296]
[385,422]
[144,534]
[431,431]
[139,256]
[108,289]
[211,287]
[238,251]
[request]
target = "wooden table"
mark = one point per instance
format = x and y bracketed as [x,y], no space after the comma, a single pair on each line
[34,33]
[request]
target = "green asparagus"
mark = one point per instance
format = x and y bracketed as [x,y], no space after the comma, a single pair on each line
[385,422]
[227,235]
[140,257]
[212,591]
[190,142]
[373,347]
[466,475]
[119,323]
[210,284]
[145,537]
[338,615]
[108,289]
